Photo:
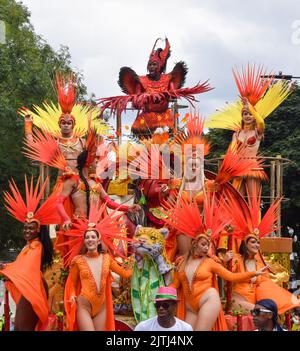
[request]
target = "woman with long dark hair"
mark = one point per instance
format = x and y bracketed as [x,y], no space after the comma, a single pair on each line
[23,277]
[249,227]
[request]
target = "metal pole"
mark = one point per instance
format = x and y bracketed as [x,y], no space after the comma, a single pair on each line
[175,111]
[272,181]
[42,178]
[119,128]
[47,191]
[278,190]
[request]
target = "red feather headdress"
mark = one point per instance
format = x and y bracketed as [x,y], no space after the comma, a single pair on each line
[66,95]
[148,162]
[44,148]
[246,220]
[193,134]
[109,227]
[237,164]
[28,211]
[185,216]
[250,84]
[160,55]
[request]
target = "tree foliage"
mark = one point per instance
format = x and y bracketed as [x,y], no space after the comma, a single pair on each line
[27,68]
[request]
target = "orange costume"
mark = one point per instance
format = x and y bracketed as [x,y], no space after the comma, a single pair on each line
[25,279]
[203,279]
[247,223]
[24,276]
[81,282]
[263,287]
[186,217]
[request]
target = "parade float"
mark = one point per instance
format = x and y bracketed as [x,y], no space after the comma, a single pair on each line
[158,194]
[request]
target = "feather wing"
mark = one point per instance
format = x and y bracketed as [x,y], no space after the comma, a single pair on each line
[129,81]
[178,74]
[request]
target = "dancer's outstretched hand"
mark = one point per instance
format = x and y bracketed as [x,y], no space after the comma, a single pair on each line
[261,271]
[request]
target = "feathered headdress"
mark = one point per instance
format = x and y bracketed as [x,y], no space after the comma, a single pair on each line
[250,83]
[160,55]
[246,220]
[44,148]
[108,227]
[185,216]
[147,162]
[237,164]
[66,94]
[263,97]
[29,210]
[194,134]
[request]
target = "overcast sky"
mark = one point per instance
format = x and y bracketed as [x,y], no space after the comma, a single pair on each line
[211,36]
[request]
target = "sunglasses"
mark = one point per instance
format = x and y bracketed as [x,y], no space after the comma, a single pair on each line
[164,305]
[258,311]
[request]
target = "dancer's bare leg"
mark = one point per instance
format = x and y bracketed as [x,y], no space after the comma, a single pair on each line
[191,317]
[84,315]
[209,309]
[26,319]
[239,302]
[100,319]
[184,244]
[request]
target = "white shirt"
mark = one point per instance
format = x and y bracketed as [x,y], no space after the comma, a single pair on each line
[152,325]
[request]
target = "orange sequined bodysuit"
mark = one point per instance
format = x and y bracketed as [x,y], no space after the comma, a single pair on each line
[263,287]
[203,280]
[80,273]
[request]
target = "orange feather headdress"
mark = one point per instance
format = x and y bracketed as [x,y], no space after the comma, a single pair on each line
[194,134]
[44,148]
[185,216]
[108,227]
[237,164]
[66,95]
[250,83]
[246,220]
[29,210]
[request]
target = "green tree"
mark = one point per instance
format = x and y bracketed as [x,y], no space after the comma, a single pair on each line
[27,67]
[282,137]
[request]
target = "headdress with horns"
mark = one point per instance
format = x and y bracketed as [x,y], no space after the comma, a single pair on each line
[160,55]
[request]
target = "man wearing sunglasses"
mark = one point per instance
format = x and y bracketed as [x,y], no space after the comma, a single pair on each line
[165,304]
[265,316]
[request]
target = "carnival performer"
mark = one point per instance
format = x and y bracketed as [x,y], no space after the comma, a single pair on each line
[151,93]
[249,228]
[24,277]
[88,296]
[67,122]
[196,272]
[78,185]
[160,181]
[259,97]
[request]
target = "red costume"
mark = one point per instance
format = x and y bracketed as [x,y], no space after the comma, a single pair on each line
[151,93]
